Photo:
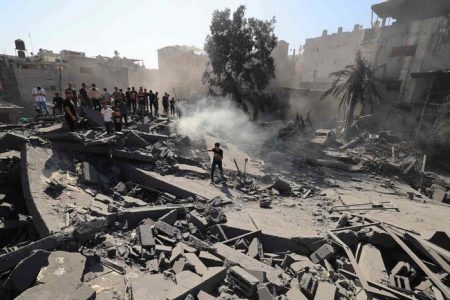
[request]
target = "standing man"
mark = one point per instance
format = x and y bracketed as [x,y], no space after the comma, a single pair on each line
[84,96]
[123,111]
[165,103]
[107,114]
[172,106]
[116,96]
[141,101]
[146,100]
[133,95]
[70,113]
[217,160]
[39,99]
[57,104]
[106,96]
[151,97]
[128,98]
[71,88]
[95,95]
[156,104]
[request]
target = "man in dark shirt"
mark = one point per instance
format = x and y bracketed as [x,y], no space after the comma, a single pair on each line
[84,96]
[133,95]
[57,104]
[70,113]
[117,96]
[217,160]
[151,97]
[128,98]
[141,101]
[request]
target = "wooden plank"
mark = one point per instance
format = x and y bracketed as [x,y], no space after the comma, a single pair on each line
[442,287]
[249,235]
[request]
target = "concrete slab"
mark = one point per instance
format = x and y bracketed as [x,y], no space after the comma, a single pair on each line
[150,287]
[326,291]
[231,152]
[37,166]
[61,263]
[209,282]
[179,186]
[372,264]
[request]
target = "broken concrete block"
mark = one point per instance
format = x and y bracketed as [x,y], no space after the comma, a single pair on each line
[24,274]
[263,292]
[133,202]
[255,249]
[349,237]
[89,173]
[150,287]
[324,252]
[177,252]
[60,264]
[402,282]
[242,281]
[295,294]
[308,284]
[273,275]
[209,282]
[199,267]
[260,275]
[180,265]
[326,291]
[163,249]
[169,230]
[146,236]
[198,220]
[372,264]
[209,259]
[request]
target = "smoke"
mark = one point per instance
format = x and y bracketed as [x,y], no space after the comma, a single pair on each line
[221,118]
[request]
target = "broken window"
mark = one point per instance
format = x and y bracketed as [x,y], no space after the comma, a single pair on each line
[403,51]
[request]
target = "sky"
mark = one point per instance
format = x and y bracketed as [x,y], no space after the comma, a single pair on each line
[137,28]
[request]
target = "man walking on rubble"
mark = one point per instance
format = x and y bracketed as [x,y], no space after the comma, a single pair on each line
[70,113]
[123,111]
[57,104]
[217,160]
[141,101]
[128,98]
[151,98]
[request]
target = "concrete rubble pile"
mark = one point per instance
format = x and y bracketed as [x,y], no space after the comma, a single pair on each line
[128,216]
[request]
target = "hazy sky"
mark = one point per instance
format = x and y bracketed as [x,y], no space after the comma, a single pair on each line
[137,28]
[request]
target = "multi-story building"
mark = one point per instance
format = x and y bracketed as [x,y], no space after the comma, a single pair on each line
[414,51]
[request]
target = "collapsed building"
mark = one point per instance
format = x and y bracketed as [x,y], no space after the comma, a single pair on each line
[130,215]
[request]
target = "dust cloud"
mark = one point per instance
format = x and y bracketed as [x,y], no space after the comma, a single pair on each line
[221,118]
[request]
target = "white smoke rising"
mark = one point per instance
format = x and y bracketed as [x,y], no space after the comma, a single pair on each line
[223,119]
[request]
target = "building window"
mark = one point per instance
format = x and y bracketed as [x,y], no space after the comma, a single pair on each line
[403,51]
[86,70]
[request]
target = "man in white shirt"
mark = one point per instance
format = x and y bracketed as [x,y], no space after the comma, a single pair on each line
[107,113]
[39,99]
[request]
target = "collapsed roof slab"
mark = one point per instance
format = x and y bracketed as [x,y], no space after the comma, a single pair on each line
[180,187]
[37,167]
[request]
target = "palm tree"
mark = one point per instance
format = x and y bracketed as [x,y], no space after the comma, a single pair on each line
[355,84]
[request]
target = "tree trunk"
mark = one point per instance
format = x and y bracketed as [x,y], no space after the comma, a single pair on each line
[349,118]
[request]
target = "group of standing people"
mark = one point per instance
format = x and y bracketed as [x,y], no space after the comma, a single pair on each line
[115,107]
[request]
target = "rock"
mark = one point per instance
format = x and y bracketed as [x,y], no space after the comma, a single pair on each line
[60,264]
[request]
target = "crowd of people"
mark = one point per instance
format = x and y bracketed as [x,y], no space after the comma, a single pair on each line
[115,107]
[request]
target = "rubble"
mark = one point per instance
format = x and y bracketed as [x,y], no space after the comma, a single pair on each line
[132,215]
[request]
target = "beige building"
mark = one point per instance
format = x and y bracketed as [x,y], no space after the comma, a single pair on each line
[414,51]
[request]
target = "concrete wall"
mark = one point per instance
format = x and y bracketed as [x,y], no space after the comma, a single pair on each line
[329,53]
[432,40]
